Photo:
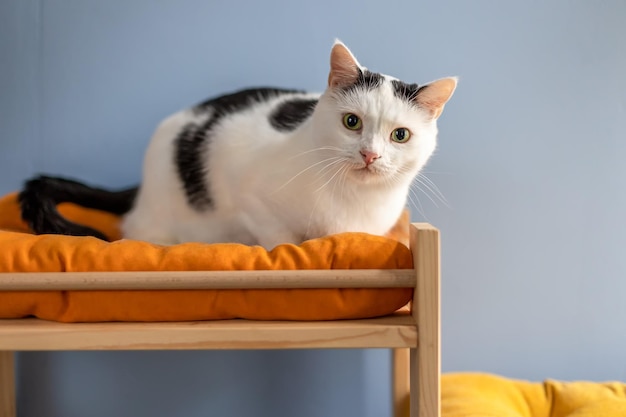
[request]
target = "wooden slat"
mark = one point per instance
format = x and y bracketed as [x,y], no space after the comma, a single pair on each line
[426,359]
[172,280]
[7,385]
[33,334]
[400,383]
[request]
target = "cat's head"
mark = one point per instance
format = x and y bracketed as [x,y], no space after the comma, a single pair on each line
[385,130]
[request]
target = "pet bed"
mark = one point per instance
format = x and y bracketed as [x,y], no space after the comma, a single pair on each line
[342,291]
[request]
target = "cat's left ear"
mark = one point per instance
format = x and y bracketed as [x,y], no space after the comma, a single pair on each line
[435,95]
[344,68]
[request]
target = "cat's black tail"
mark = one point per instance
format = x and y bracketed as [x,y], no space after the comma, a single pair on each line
[40,196]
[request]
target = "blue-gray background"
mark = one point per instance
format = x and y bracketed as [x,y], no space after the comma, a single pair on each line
[531,161]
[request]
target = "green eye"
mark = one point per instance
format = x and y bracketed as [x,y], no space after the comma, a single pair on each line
[352,121]
[401,135]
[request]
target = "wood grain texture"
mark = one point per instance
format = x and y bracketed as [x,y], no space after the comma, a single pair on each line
[398,331]
[400,381]
[193,280]
[7,385]
[33,334]
[426,359]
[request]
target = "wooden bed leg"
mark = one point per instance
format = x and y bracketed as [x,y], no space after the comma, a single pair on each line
[400,381]
[426,360]
[7,384]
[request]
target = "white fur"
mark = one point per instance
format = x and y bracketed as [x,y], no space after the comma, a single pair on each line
[271,187]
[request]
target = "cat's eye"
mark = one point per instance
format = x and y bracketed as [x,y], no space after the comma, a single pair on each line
[401,135]
[352,121]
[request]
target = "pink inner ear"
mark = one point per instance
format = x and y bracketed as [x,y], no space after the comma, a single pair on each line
[344,68]
[436,94]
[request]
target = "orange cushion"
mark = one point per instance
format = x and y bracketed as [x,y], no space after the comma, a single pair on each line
[21,251]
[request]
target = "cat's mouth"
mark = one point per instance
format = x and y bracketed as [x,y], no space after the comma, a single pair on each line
[368,173]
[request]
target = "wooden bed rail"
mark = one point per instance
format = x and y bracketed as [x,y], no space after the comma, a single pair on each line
[415,337]
[425,361]
[7,385]
[196,280]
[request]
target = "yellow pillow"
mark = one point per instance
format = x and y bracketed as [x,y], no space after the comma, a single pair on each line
[484,395]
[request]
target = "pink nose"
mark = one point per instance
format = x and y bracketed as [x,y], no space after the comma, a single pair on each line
[369,157]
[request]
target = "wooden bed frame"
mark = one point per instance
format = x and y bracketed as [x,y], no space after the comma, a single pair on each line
[416,360]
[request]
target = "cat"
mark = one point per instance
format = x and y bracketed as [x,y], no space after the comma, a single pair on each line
[268,166]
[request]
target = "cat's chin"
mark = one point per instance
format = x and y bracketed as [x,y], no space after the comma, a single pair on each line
[368,175]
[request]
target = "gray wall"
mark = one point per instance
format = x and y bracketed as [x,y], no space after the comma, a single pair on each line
[530,161]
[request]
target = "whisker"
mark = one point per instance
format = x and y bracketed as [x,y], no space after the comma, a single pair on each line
[428,191]
[338,201]
[437,172]
[331,164]
[417,185]
[412,202]
[433,187]
[343,170]
[428,187]
[327,182]
[412,197]
[305,170]
[323,148]
[417,204]
[343,179]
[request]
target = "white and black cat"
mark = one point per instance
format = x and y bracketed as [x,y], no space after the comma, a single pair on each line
[269,166]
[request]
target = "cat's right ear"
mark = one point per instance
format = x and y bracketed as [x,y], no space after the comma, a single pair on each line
[344,68]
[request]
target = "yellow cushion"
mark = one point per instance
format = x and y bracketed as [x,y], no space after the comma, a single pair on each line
[20,251]
[484,395]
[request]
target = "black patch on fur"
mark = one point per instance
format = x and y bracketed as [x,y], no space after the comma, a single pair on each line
[190,162]
[290,114]
[193,142]
[366,80]
[404,91]
[230,103]
[40,196]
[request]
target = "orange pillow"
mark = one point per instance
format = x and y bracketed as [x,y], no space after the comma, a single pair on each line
[20,251]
